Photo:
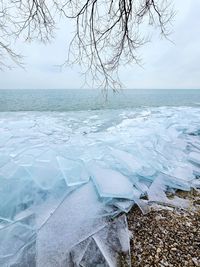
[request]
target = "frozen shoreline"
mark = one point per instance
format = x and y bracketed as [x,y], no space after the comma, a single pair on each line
[65,175]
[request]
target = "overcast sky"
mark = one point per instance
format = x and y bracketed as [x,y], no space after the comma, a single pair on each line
[165,65]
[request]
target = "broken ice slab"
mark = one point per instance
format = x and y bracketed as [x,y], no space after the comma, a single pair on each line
[131,162]
[194,157]
[24,160]
[23,152]
[26,257]
[26,217]
[5,136]
[181,171]
[142,204]
[7,170]
[16,193]
[14,237]
[158,189]
[74,171]
[109,247]
[174,182]
[114,242]
[75,219]
[110,183]
[123,204]
[93,256]
[4,222]
[142,186]
[46,204]
[3,159]
[195,145]
[76,253]
[48,155]
[44,175]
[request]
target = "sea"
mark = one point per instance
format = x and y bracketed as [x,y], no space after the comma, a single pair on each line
[69,100]
[74,162]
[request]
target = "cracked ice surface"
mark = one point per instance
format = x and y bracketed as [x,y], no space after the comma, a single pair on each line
[64,175]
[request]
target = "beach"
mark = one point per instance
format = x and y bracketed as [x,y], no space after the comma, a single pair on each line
[113,185]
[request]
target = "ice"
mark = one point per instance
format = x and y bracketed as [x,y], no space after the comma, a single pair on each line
[7,170]
[64,176]
[184,172]
[132,163]
[73,171]
[94,256]
[4,159]
[12,239]
[47,156]
[157,193]
[26,257]
[194,157]
[16,193]
[108,247]
[45,175]
[75,219]
[123,205]
[111,183]
[4,222]
[5,136]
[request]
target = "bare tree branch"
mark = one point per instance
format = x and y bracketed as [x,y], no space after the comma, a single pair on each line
[108,33]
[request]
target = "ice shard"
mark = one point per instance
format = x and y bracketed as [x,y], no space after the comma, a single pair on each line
[12,239]
[75,219]
[194,157]
[74,172]
[109,247]
[111,183]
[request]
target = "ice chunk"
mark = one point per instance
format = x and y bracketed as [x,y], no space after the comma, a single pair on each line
[48,155]
[45,175]
[131,162]
[26,256]
[5,136]
[114,242]
[74,172]
[196,145]
[7,170]
[111,183]
[93,256]
[75,219]
[3,159]
[76,254]
[16,193]
[157,193]
[109,247]
[123,204]
[4,222]
[194,157]
[13,238]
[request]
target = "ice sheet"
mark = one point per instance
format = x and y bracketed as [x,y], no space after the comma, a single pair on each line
[62,175]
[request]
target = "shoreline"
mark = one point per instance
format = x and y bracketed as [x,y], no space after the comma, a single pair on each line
[166,236]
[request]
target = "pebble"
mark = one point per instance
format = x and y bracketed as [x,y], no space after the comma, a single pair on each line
[166,237]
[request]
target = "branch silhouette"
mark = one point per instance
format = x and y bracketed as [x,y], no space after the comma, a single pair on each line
[107,34]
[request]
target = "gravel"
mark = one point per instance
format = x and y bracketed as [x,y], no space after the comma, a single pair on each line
[166,236]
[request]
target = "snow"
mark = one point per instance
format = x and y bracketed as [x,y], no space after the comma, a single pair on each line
[63,176]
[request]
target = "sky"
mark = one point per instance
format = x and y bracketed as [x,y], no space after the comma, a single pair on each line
[165,64]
